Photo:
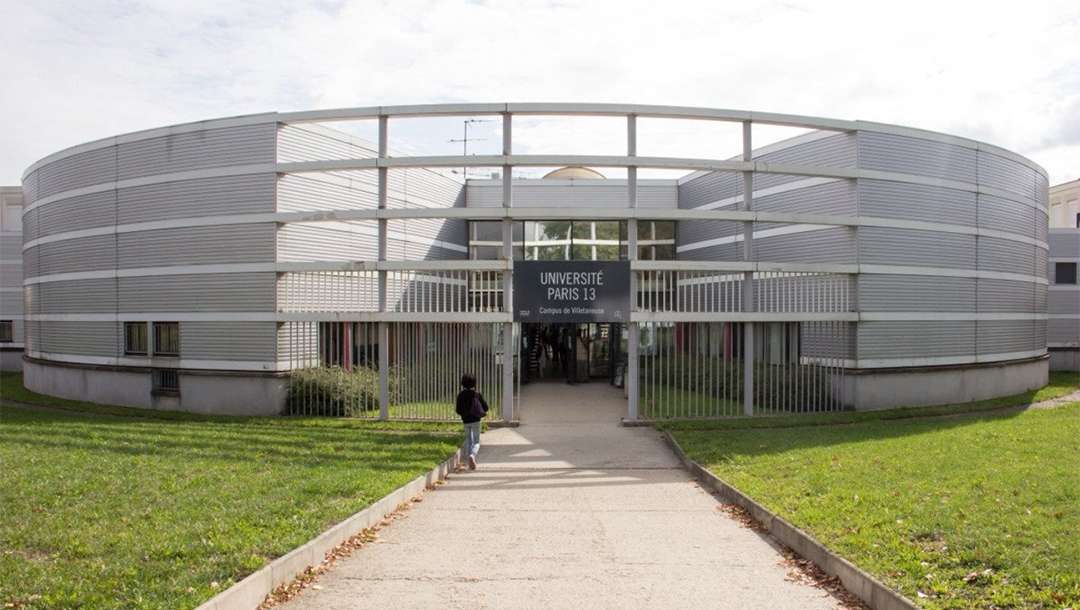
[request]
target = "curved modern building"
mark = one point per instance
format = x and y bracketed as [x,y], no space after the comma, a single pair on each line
[275,262]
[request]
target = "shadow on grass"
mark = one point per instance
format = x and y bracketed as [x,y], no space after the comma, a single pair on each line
[238,442]
[770,441]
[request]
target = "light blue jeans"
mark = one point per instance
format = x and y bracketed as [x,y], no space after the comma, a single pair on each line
[472,438]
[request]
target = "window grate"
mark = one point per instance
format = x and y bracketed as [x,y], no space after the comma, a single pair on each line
[166,338]
[135,338]
[166,380]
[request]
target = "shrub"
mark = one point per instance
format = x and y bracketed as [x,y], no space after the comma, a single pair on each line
[796,387]
[335,391]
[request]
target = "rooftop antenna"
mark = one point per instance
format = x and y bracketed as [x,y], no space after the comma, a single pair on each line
[465,141]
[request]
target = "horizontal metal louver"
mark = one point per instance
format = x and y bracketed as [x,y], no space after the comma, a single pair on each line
[1004,296]
[885,246]
[75,214]
[79,338]
[909,155]
[95,253]
[221,196]
[307,142]
[1006,174]
[222,292]
[225,244]
[927,339]
[1005,336]
[77,171]
[243,341]
[884,199]
[79,296]
[916,293]
[210,148]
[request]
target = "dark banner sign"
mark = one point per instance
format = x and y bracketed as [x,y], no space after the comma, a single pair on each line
[571,291]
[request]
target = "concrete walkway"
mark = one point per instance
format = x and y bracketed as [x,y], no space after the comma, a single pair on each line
[569,510]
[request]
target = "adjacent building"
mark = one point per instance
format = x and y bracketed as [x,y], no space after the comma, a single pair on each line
[11,279]
[1062,202]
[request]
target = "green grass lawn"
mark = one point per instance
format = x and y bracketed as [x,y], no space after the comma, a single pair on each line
[102,511]
[128,508]
[978,511]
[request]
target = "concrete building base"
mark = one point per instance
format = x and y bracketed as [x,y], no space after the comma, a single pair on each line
[1065,359]
[923,387]
[222,393]
[11,359]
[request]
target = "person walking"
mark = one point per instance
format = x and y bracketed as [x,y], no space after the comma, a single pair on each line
[472,407]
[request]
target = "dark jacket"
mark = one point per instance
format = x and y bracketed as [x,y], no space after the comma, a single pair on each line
[464,405]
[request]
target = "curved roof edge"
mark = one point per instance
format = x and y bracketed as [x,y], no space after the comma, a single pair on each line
[548,108]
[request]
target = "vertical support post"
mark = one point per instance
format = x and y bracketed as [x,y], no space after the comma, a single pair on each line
[633,335]
[748,276]
[384,327]
[509,348]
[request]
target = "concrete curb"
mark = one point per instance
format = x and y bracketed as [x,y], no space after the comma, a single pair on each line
[251,591]
[869,589]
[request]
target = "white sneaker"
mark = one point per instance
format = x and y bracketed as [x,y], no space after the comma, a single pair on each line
[472,462]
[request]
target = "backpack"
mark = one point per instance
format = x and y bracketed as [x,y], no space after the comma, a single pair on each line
[476,409]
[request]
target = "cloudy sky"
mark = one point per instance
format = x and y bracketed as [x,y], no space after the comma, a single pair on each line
[79,70]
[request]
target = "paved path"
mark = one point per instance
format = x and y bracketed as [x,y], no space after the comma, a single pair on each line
[570,510]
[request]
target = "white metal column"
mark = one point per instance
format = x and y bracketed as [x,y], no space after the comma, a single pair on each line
[384,327]
[633,335]
[748,276]
[508,276]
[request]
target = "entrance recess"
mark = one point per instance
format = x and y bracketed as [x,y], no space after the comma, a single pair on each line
[573,353]
[563,364]
[563,403]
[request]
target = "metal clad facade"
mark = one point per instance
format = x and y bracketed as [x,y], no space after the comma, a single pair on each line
[209,148]
[1005,296]
[236,341]
[925,339]
[819,245]
[1006,174]
[1006,256]
[148,216]
[915,293]
[1065,243]
[1062,299]
[838,150]
[709,240]
[226,244]
[85,296]
[1004,336]
[221,196]
[77,171]
[95,253]
[1064,302]
[708,188]
[1006,215]
[885,246]
[928,251]
[308,142]
[658,196]
[1064,331]
[836,198]
[355,240]
[570,194]
[884,199]
[77,213]
[338,191]
[223,292]
[916,156]
[484,194]
[99,339]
